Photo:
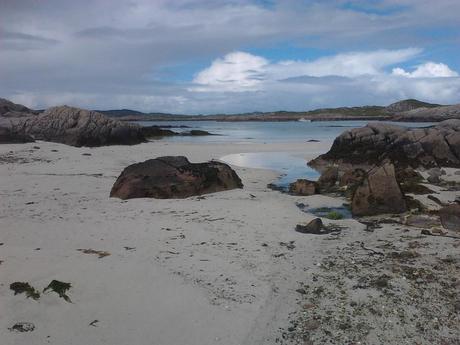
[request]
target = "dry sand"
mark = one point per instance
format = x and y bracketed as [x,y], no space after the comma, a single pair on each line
[218,269]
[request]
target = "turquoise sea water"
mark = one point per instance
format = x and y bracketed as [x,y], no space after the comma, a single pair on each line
[265,131]
[290,165]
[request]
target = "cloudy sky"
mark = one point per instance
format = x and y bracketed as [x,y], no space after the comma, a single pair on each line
[209,56]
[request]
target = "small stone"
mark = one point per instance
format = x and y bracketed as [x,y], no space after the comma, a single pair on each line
[314,227]
[22,327]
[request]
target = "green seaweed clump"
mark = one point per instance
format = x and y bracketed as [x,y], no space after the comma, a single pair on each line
[24,287]
[334,215]
[60,288]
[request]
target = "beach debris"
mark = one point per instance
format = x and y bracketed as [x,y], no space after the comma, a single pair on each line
[94,323]
[22,327]
[24,287]
[101,254]
[60,288]
[289,245]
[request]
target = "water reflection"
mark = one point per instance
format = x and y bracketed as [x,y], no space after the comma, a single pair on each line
[290,166]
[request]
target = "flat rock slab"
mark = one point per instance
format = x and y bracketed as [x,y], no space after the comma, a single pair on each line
[174,177]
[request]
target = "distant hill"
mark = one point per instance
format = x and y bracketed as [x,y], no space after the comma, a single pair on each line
[405,110]
[374,113]
[120,112]
[409,104]
[10,109]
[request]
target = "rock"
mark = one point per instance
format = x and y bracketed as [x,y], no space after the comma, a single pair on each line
[328,178]
[174,177]
[379,193]
[422,221]
[314,227]
[352,177]
[434,175]
[450,217]
[8,136]
[78,127]
[433,179]
[196,132]
[22,327]
[303,187]
[156,132]
[408,174]
[416,147]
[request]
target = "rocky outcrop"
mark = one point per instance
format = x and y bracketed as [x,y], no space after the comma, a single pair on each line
[450,217]
[419,147]
[174,177]
[379,193]
[78,127]
[7,136]
[303,187]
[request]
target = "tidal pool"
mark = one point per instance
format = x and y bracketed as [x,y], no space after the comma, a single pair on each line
[290,166]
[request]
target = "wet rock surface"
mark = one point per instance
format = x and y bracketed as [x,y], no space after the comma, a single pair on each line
[174,177]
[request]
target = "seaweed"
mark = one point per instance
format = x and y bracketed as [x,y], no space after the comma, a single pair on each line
[60,288]
[24,287]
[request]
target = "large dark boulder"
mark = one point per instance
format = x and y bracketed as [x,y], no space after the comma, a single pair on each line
[79,127]
[8,136]
[378,193]
[418,147]
[174,177]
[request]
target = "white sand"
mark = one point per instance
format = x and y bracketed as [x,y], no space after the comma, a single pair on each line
[197,272]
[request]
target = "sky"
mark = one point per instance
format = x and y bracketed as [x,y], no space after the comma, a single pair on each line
[228,56]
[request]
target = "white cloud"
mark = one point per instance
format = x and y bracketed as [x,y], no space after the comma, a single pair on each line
[236,71]
[427,70]
[240,71]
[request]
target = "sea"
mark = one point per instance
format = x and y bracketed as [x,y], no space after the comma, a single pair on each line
[290,165]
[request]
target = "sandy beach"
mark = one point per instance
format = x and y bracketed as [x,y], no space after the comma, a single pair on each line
[190,271]
[223,268]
